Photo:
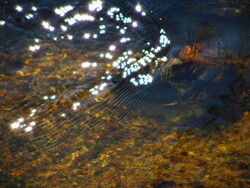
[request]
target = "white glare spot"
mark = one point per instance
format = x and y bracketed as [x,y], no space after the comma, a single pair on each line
[115,64]
[79,17]
[20,120]
[94,64]
[134,24]
[28,129]
[37,40]
[86,35]
[164,40]
[33,123]
[102,31]
[86,65]
[19,8]
[130,52]
[34,8]
[164,59]
[102,26]
[70,37]
[64,28]
[108,56]
[45,97]
[76,105]
[2,22]
[53,97]
[15,125]
[33,111]
[29,16]
[46,25]
[63,10]
[138,8]
[112,48]
[95,5]
[122,31]
[34,48]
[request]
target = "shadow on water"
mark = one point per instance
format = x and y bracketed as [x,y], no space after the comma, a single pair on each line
[197,94]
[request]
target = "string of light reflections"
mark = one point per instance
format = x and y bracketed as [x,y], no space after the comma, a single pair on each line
[108,53]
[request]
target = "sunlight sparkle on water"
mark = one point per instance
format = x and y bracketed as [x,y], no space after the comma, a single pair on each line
[112,48]
[95,5]
[19,8]
[125,62]
[86,35]
[63,10]
[47,26]
[34,8]
[2,22]
[29,16]
[138,8]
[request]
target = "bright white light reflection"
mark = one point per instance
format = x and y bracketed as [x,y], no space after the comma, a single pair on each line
[86,64]
[46,25]
[102,32]
[70,37]
[34,8]
[95,5]
[28,129]
[34,48]
[102,26]
[29,16]
[108,56]
[112,48]
[125,62]
[53,97]
[76,105]
[138,8]
[79,17]
[2,22]
[15,125]
[94,64]
[63,10]
[19,8]
[122,31]
[33,123]
[115,64]
[64,28]
[134,24]
[86,35]
[45,97]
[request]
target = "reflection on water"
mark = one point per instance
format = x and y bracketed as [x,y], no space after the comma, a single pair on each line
[124,94]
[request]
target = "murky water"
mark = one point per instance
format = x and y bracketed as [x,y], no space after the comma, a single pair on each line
[83,79]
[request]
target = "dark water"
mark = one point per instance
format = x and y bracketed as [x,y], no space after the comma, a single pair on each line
[80,73]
